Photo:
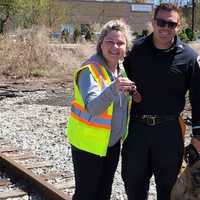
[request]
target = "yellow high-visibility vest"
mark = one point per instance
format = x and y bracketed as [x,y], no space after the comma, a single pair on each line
[86,132]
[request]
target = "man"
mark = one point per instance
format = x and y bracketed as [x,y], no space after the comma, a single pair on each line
[164,69]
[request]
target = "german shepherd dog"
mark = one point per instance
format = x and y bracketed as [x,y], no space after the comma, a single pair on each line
[187,186]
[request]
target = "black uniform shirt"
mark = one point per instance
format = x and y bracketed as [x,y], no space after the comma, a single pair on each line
[163,77]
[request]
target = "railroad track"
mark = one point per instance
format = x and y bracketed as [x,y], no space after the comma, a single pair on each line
[23,174]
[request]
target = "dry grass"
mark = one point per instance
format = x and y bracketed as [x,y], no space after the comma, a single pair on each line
[30,54]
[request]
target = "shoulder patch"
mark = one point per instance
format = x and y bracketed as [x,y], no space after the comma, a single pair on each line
[198,61]
[180,46]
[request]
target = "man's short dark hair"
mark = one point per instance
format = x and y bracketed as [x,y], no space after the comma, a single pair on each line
[167,7]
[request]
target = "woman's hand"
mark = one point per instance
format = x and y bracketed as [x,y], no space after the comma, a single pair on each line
[124,85]
[127,86]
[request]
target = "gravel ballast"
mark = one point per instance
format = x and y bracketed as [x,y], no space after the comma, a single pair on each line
[36,120]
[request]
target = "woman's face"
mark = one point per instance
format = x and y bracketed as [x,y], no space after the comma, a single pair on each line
[113,47]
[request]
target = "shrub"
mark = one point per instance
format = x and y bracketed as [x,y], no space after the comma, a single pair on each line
[88,36]
[76,35]
[187,35]
[183,36]
[190,34]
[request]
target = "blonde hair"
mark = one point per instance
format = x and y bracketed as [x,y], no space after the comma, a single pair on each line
[115,25]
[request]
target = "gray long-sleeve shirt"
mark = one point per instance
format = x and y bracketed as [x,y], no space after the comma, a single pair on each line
[97,101]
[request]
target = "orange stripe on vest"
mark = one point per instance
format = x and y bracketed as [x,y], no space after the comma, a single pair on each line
[104,115]
[103,73]
[95,71]
[90,123]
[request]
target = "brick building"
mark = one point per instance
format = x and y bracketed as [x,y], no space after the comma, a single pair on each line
[87,12]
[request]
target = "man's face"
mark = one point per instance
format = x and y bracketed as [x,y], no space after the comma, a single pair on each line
[166,25]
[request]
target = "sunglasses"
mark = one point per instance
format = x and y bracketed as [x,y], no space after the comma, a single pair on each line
[162,23]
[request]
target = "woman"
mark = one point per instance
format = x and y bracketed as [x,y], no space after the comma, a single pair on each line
[99,112]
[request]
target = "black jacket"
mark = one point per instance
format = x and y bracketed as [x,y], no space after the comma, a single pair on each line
[163,78]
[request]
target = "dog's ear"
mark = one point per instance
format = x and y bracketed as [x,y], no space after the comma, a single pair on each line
[191,155]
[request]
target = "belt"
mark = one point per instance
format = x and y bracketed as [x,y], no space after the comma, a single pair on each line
[153,120]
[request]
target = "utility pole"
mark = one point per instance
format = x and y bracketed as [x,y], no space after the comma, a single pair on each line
[193,15]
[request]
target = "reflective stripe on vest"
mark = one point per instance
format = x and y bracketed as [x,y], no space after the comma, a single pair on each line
[101,121]
[100,74]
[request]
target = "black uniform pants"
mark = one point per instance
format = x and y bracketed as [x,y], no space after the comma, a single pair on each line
[94,174]
[151,150]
